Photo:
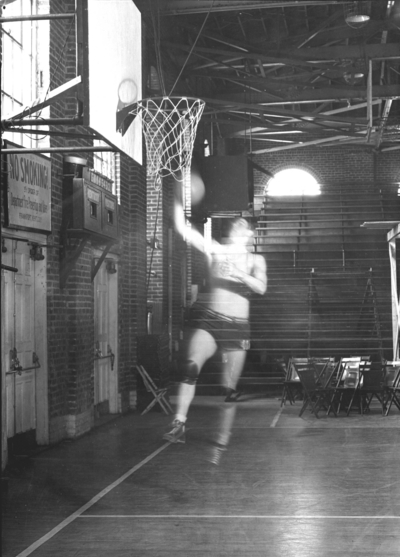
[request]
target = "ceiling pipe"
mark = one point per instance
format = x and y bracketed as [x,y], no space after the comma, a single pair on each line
[177,7]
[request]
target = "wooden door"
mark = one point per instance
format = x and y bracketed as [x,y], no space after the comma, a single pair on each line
[105,342]
[19,344]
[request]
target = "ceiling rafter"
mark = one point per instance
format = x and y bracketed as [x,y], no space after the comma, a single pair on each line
[231,105]
[187,7]
[336,94]
[286,71]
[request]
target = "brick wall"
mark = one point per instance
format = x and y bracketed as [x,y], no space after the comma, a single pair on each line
[71,309]
[341,165]
[132,272]
[60,306]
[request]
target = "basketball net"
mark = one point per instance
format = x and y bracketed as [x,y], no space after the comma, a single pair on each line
[169,126]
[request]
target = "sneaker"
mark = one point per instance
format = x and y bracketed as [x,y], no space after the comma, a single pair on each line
[214,453]
[232,395]
[177,433]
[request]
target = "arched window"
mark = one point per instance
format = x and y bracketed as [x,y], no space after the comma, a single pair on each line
[293,181]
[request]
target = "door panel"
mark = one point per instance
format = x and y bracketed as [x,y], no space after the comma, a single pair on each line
[106,339]
[102,366]
[25,402]
[24,304]
[19,338]
[10,404]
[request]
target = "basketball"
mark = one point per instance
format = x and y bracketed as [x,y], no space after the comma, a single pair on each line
[127,91]
[197,187]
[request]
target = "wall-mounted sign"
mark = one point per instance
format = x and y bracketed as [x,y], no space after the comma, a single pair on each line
[28,191]
[96,178]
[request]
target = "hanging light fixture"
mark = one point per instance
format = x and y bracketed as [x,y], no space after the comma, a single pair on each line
[354,73]
[356,14]
[353,77]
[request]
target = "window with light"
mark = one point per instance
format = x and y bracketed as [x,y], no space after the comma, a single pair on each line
[293,182]
[25,71]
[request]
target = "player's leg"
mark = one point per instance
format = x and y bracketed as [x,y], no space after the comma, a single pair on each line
[233,367]
[201,346]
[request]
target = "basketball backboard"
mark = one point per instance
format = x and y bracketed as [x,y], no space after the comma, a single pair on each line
[110,62]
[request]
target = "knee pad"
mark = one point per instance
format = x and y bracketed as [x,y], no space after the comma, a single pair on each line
[190,372]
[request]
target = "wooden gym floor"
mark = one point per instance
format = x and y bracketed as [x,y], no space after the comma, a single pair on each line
[287,486]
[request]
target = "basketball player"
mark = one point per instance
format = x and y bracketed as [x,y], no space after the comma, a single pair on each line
[221,320]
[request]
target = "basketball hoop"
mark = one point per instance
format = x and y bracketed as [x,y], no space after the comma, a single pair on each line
[169,127]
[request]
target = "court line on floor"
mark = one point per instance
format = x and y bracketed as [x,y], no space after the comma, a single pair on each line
[277,416]
[249,516]
[89,504]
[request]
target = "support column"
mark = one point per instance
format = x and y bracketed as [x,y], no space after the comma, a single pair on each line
[392,237]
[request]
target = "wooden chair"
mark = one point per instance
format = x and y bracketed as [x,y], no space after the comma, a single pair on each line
[347,383]
[291,384]
[326,369]
[157,392]
[355,381]
[372,386]
[317,395]
[392,386]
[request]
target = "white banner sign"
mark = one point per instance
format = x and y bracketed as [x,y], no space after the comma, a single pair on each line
[29,191]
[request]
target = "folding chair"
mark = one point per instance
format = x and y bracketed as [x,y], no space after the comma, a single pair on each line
[157,392]
[372,385]
[392,386]
[354,380]
[347,383]
[316,394]
[325,368]
[291,384]
[325,382]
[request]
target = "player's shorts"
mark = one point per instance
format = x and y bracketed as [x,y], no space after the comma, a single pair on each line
[228,332]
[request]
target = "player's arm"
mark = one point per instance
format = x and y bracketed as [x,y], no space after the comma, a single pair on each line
[189,234]
[257,280]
